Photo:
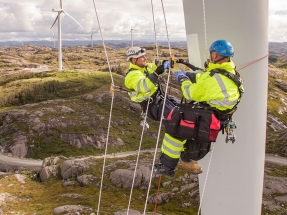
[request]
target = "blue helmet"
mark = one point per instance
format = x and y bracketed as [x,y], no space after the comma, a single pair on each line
[222,47]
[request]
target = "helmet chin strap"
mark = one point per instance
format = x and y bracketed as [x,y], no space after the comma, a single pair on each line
[215,61]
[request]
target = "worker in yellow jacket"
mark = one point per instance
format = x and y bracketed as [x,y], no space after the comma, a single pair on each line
[142,79]
[214,89]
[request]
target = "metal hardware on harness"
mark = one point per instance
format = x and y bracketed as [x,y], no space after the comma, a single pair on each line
[144,123]
[229,132]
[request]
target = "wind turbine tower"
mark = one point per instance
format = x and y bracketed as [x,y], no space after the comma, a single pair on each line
[92,38]
[131,31]
[54,39]
[60,11]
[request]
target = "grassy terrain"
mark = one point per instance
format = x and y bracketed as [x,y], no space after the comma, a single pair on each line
[31,88]
[87,74]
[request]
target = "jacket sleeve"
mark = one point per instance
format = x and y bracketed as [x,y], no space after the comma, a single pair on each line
[137,81]
[198,91]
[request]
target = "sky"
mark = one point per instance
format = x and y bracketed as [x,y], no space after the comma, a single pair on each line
[29,20]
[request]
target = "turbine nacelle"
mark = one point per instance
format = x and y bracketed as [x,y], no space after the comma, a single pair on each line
[57,10]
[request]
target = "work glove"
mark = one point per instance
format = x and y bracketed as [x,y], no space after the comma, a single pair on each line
[164,66]
[179,73]
[191,76]
[157,62]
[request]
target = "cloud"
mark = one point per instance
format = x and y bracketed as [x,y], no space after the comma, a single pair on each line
[15,19]
[32,19]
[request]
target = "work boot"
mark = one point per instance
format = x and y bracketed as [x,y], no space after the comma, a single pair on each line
[191,166]
[163,170]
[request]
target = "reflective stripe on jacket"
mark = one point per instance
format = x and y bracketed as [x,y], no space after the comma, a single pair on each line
[218,91]
[137,81]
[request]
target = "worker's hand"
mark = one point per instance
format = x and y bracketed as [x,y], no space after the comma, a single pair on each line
[179,73]
[182,70]
[166,64]
[156,62]
[161,69]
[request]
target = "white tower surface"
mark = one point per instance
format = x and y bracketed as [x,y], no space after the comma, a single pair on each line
[234,183]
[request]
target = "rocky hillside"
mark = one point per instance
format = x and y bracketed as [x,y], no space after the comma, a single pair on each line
[62,117]
[29,75]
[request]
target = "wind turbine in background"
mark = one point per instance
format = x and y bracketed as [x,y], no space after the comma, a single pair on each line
[92,37]
[60,11]
[54,39]
[131,31]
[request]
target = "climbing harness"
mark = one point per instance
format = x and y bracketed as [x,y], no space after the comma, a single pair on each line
[227,123]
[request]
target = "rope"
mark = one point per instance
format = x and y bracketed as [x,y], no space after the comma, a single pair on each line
[156,197]
[111,110]
[132,187]
[104,164]
[104,44]
[166,28]
[199,208]
[157,56]
[154,30]
[253,62]
[204,24]
[160,124]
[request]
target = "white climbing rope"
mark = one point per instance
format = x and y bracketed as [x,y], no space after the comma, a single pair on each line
[103,43]
[110,117]
[157,57]
[206,57]
[204,185]
[138,155]
[160,124]
[204,25]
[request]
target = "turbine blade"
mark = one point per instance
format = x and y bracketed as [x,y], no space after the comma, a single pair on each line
[61,4]
[55,21]
[72,18]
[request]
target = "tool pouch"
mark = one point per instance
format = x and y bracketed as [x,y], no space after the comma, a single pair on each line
[190,123]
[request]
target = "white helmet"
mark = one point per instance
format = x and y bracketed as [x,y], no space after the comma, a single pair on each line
[135,52]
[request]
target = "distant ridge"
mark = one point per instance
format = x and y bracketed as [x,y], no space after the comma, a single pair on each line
[116,44]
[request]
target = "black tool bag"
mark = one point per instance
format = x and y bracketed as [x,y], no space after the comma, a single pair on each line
[196,150]
[187,122]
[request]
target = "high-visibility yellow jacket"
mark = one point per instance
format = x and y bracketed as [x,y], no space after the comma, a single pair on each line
[218,90]
[141,81]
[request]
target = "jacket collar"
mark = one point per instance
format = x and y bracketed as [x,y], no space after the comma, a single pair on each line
[228,66]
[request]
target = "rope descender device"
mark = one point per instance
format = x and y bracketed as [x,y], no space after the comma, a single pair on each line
[229,132]
[114,88]
[171,61]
